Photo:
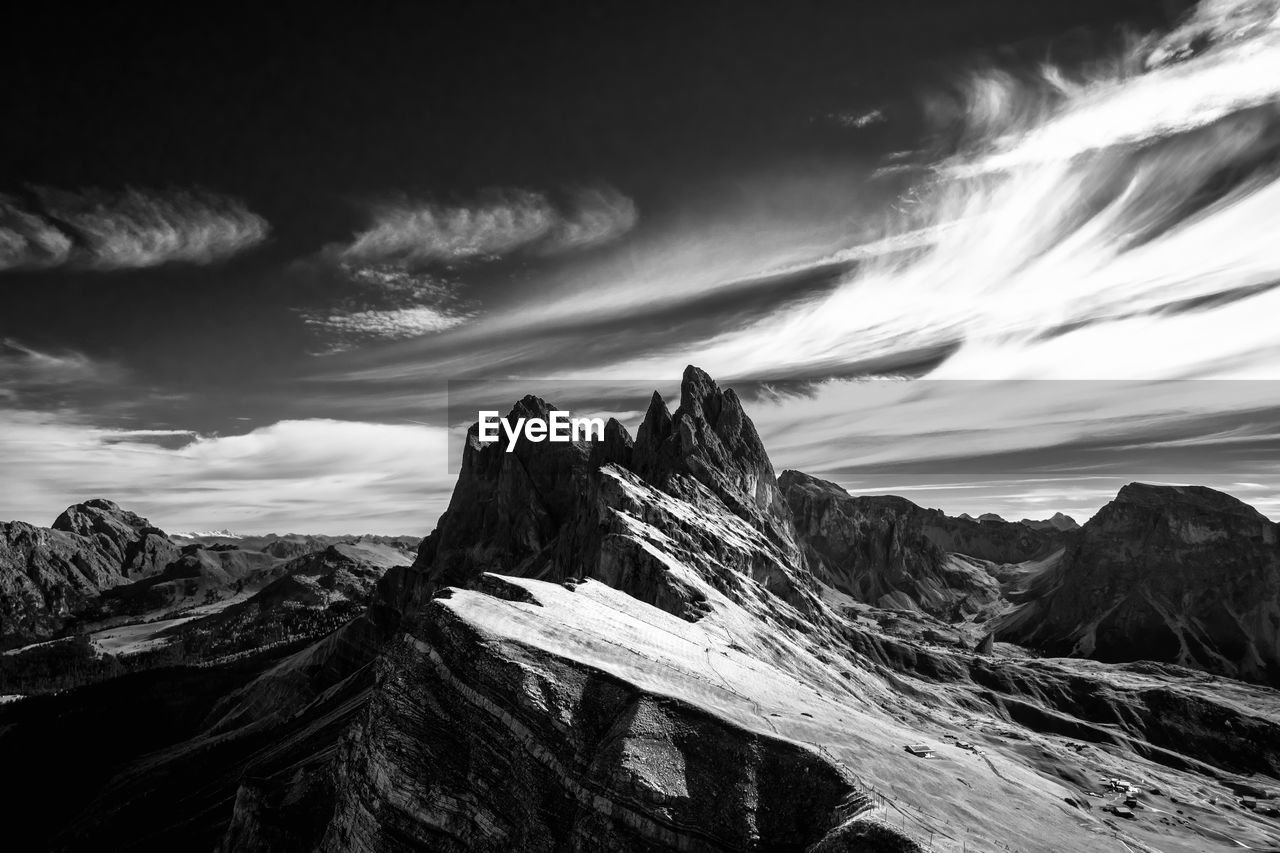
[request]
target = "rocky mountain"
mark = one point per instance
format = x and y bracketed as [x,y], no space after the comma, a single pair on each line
[656,644]
[891,553]
[1182,574]
[1058,521]
[103,591]
[674,550]
[47,575]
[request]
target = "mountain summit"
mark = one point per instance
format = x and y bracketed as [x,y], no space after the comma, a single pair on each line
[1183,574]
[48,574]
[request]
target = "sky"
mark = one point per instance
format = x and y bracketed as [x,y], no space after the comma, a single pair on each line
[259,269]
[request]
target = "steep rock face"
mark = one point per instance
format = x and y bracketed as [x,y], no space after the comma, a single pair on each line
[507,507]
[480,739]
[559,510]
[875,550]
[127,537]
[889,552]
[571,510]
[710,437]
[49,574]
[659,546]
[1180,574]
[664,525]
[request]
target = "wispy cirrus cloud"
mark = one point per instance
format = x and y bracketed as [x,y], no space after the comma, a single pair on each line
[413,233]
[98,229]
[392,323]
[387,303]
[28,374]
[29,240]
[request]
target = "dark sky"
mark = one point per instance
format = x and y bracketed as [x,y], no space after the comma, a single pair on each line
[215,222]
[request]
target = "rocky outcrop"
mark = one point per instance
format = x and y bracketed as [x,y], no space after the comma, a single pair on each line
[47,575]
[1182,574]
[507,507]
[711,439]
[889,552]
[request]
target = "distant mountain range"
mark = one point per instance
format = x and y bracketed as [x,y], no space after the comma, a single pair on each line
[206,534]
[654,642]
[111,584]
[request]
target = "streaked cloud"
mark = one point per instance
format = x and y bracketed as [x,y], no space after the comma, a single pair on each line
[99,229]
[392,324]
[385,302]
[28,240]
[31,374]
[412,233]
[594,217]
[301,475]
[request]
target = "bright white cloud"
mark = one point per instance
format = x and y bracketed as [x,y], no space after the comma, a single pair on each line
[394,324]
[388,303]
[130,229]
[1087,235]
[413,233]
[322,476]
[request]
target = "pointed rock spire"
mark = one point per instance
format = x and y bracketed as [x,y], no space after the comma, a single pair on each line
[615,449]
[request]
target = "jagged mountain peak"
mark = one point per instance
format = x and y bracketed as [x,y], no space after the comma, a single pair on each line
[657,418]
[711,438]
[551,509]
